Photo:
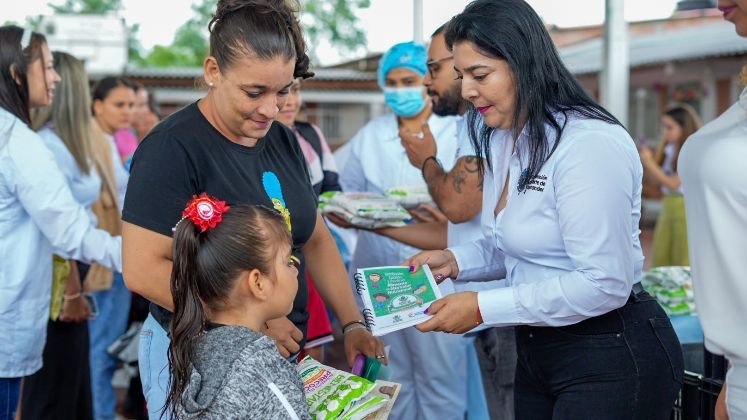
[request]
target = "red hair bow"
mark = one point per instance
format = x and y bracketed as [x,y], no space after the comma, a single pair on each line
[205,211]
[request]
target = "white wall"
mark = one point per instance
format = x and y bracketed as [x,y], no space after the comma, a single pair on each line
[99,40]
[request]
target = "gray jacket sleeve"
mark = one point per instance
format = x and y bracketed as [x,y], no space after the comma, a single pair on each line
[261,385]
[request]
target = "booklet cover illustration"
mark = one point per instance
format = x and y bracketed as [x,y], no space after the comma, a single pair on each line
[394,298]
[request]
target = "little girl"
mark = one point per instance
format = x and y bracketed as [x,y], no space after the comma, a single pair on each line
[232,272]
[670,234]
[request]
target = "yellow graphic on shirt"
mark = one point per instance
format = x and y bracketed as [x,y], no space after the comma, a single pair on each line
[278,205]
[274,191]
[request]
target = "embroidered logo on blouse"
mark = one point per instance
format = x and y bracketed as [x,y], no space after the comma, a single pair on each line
[274,191]
[537,183]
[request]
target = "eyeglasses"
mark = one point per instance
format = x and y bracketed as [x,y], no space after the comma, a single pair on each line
[435,65]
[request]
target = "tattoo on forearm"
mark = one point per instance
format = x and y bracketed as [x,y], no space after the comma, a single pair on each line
[457,180]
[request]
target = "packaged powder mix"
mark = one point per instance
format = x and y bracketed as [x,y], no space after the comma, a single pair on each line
[334,394]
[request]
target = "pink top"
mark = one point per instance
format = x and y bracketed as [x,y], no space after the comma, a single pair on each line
[126,143]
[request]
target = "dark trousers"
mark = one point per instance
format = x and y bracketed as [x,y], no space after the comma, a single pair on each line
[626,364]
[496,353]
[61,389]
[9,390]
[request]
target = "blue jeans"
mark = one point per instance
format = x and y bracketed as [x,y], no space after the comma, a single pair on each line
[9,389]
[626,364]
[477,405]
[114,311]
[154,366]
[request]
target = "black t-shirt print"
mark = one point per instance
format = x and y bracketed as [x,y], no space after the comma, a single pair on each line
[185,156]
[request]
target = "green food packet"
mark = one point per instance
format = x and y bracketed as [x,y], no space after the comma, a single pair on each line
[333,394]
[60,273]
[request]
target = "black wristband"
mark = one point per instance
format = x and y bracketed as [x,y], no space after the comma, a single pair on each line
[425,162]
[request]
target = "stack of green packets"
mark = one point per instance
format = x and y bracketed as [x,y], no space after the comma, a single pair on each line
[365,210]
[672,287]
[410,196]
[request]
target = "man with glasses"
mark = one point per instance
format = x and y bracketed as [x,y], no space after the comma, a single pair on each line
[458,193]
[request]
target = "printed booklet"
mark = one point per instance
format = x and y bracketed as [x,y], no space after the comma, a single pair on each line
[394,298]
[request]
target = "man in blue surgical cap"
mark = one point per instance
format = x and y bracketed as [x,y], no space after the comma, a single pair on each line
[432,368]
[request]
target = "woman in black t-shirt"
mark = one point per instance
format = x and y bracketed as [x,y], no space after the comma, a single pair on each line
[227,145]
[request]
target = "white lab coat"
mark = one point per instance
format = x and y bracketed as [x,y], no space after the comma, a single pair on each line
[431,367]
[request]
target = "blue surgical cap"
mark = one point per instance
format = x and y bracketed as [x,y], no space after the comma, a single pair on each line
[407,55]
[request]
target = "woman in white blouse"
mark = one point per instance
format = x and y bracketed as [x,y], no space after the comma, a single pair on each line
[38,213]
[65,128]
[561,206]
[713,180]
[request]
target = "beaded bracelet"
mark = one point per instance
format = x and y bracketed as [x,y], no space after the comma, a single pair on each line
[353,328]
[357,321]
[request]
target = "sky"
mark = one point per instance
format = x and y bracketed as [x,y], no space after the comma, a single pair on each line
[385,22]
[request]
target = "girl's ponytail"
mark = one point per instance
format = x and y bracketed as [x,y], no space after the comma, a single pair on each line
[189,315]
[212,247]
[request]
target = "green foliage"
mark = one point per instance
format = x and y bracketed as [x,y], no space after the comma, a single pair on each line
[190,45]
[86,7]
[32,22]
[133,44]
[331,20]
[162,56]
[334,21]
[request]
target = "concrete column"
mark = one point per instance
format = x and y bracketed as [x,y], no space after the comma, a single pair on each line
[417,24]
[640,113]
[615,79]
[709,104]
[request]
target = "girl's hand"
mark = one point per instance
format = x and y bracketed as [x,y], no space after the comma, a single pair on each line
[443,264]
[75,310]
[454,314]
[360,341]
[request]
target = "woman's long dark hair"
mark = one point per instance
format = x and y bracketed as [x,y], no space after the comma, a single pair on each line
[265,28]
[206,266]
[103,87]
[70,112]
[511,30]
[14,97]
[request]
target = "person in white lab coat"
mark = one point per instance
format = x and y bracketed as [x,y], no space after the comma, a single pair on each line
[712,168]
[431,368]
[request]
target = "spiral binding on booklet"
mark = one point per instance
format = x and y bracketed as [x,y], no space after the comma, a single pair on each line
[360,285]
[360,288]
[369,317]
